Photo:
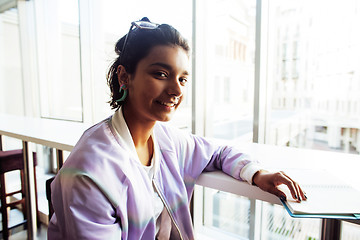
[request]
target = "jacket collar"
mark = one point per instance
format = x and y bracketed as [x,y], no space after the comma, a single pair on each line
[123,133]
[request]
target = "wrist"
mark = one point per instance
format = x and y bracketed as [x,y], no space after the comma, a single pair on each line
[257,176]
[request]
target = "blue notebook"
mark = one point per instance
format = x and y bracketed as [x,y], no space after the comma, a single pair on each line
[328,197]
[295,214]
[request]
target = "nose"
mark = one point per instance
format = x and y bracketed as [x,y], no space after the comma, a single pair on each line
[175,88]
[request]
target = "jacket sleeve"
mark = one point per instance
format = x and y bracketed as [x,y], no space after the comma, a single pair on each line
[200,154]
[82,210]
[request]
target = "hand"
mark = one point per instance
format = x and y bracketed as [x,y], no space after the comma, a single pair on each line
[269,182]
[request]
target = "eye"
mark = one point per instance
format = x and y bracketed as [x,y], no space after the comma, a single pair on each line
[161,75]
[183,80]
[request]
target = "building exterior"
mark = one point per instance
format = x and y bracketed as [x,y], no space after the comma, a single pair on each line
[316,74]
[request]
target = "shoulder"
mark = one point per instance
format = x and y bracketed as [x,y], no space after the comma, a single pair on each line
[101,130]
[98,147]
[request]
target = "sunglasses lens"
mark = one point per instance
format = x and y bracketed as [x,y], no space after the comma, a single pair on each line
[146,25]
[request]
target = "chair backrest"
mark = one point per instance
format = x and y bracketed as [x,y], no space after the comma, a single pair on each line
[48,196]
[13,160]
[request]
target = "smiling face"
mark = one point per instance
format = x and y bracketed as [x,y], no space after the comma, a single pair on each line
[156,88]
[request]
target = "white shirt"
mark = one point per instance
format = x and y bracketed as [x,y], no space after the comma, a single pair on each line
[121,128]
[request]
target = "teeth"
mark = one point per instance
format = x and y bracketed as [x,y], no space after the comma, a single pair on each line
[168,104]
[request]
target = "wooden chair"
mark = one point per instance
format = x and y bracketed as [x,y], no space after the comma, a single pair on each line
[11,161]
[48,196]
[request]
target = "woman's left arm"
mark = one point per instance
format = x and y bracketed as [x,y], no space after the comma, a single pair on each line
[199,154]
[239,165]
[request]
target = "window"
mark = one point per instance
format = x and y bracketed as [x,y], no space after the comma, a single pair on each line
[321,44]
[58,45]
[227,88]
[305,109]
[11,72]
[230,24]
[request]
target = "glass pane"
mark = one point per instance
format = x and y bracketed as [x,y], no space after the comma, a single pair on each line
[59,60]
[279,225]
[11,82]
[350,231]
[114,25]
[314,76]
[225,62]
[228,67]
[313,79]
[229,213]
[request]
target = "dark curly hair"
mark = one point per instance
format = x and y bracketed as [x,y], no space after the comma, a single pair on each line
[138,46]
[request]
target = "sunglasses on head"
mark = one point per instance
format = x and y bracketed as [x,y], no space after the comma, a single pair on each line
[137,25]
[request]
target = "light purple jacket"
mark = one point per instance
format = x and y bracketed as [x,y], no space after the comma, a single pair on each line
[102,192]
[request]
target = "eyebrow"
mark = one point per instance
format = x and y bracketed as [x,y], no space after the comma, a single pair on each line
[167,66]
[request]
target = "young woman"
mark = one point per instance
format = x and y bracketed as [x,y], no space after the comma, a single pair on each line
[132,175]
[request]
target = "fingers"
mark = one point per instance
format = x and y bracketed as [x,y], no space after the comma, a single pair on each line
[277,192]
[295,189]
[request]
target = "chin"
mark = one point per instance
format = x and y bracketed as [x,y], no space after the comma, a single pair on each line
[166,118]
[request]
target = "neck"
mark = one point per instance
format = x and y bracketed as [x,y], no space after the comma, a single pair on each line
[140,131]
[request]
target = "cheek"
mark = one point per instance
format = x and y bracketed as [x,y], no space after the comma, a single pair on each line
[142,90]
[184,93]
[182,98]
[154,88]
[148,93]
